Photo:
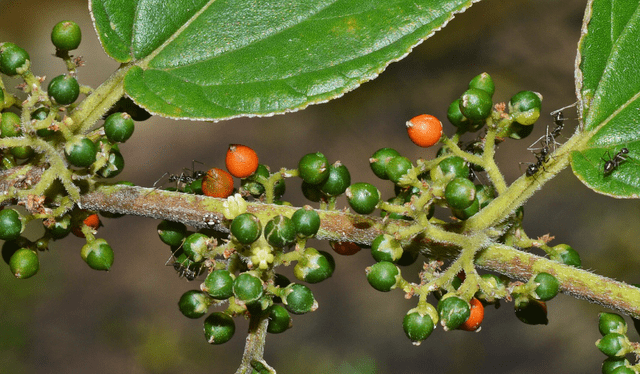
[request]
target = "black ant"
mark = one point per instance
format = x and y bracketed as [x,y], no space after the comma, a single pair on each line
[542,156]
[186,177]
[182,270]
[550,137]
[613,162]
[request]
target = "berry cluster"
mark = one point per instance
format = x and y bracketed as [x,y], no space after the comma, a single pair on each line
[616,345]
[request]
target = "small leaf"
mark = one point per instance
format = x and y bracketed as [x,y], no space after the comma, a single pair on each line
[609,95]
[213,60]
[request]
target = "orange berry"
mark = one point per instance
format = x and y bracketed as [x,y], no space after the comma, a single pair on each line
[217,183]
[241,160]
[424,130]
[345,248]
[475,317]
[92,220]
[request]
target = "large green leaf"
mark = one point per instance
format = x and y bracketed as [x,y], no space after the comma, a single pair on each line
[608,88]
[220,59]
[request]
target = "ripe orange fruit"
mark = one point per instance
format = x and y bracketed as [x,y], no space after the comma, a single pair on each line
[217,183]
[241,160]
[92,220]
[424,130]
[345,248]
[475,317]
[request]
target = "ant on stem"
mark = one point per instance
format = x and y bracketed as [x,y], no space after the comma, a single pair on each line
[187,176]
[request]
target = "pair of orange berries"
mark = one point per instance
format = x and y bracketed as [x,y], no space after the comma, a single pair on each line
[241,162]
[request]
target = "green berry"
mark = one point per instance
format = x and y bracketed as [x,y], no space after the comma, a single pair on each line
[409,257]
[451,167]
[612,363]
[525,107]
[196,246]
[10,125]
[453,312]
[24,263]
[119,127]
[611,322]
[172,233]
[338,181]
[246,228]
[397,167]
[563,253]
[483,82]
[363,197]
[247,288]
[460,193]
[194,304]
[13,59]
[60,227]
[10,247]
[315,267]
[417,327]
[379,160]
[81,152]
[64,89]
[299,299]
[97,254]
[476,104]
[11,224]
[280,231]
[66,35]
[456,117]
[314,168]
[518,131]
[279,319]
[219,284]
[307,221]
[219,328]
[469,211]
[251,183]
[386,248]
[548,286]
[623,370]
[531,311]
[312,192]
[485,194]
[22,152]
[383,276]
[614,345]
[114,166]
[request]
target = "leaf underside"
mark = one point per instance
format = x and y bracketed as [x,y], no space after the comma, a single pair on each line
[608,88]
[220,59]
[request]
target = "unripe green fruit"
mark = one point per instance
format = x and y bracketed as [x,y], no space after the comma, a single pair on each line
[379,160]
[383,276]
[219,284]
[64,89]
[612,363]
[476,104]
[247,288]
[114,166]
[315,267]
[9,125]
[97,254]
[451,167]
[66,35]
[172,233]
[548,286]
[81,152]
[611,322]
[363,197]
[314,168]
[469,211]
[518,131]
[417,327]
[279,319]
[22,152]
[623,370]
[194,304]
[10,247]
[456,117]
[483,82]
[119,127]
[386,248]
[195,246]
[525,107]
[13,59]
[614,345]
[246,228]
[11,224]
[409,257]
[251,184]
[306,221]
[24,263]
[299,299]
[460,193]
[280,231]
[397,167]
[219,328]
[312,192]
[453,312]
[338,181]
[563,253]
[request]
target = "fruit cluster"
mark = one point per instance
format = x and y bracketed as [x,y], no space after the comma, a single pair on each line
[616,345]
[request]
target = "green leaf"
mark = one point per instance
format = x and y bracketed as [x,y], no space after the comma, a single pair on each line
[218,59]
[608,86]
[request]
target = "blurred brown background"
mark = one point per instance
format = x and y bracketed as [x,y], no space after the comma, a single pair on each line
[71,319]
